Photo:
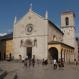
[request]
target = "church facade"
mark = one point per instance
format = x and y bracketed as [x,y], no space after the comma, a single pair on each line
[34,35]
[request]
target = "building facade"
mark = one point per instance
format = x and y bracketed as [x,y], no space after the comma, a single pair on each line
[34,35]
[6,46]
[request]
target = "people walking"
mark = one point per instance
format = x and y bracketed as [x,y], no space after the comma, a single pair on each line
[55,64]
[61,64]
[33,62]
[25,62]
[29,62]
[38,62]
[76,63]
[43,61]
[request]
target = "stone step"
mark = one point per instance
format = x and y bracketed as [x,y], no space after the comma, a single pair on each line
[12,75]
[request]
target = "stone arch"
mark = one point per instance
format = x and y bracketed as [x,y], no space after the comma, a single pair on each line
[28,43]
[53,51]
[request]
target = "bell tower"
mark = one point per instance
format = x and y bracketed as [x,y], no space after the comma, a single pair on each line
[68,27]
[67,19]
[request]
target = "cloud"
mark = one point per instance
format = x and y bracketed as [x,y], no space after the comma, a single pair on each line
[2,34]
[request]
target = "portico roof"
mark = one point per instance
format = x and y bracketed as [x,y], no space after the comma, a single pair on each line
[57,42]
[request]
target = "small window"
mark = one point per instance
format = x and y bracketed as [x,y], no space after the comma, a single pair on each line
[67,20]
[35,42]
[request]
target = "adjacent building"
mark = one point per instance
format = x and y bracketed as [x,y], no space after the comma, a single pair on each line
[6,46]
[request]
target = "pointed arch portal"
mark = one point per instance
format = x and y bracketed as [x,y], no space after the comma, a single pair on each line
[28,45]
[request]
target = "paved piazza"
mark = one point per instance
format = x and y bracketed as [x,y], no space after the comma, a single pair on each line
[40,72]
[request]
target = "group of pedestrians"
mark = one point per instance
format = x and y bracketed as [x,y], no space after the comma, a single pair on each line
[29,62]
[55,63]
[44,62]
[59,64]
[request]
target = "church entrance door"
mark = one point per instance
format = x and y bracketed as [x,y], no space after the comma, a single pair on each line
[29,52]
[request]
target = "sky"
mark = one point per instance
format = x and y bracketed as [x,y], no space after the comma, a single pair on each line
[11,8]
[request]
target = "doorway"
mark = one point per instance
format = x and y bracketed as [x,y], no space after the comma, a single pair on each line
[29,52]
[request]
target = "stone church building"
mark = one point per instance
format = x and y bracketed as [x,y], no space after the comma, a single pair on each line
[35,35]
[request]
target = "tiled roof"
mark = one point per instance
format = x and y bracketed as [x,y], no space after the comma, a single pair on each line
[55,26]
[57,42]
[6,37]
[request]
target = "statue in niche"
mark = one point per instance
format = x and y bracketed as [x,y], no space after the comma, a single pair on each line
[21,43]
[35,42]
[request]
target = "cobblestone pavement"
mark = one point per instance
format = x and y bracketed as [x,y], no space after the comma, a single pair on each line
[41,72]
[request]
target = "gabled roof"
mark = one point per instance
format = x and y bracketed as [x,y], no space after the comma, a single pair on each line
[10,36]
[38,14]
[29,12]
[49,22]
[44,18]
[7,37]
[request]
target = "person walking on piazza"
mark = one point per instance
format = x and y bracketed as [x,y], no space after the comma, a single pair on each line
[76,63]
[55,64]
[33,61]
[38,61]
[61,64]
[25,62]
[43,61]
[29,62]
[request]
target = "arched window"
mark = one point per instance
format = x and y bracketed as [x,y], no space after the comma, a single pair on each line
[67,20]
[28,43]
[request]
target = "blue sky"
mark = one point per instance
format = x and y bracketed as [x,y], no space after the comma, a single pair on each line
[11,8]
